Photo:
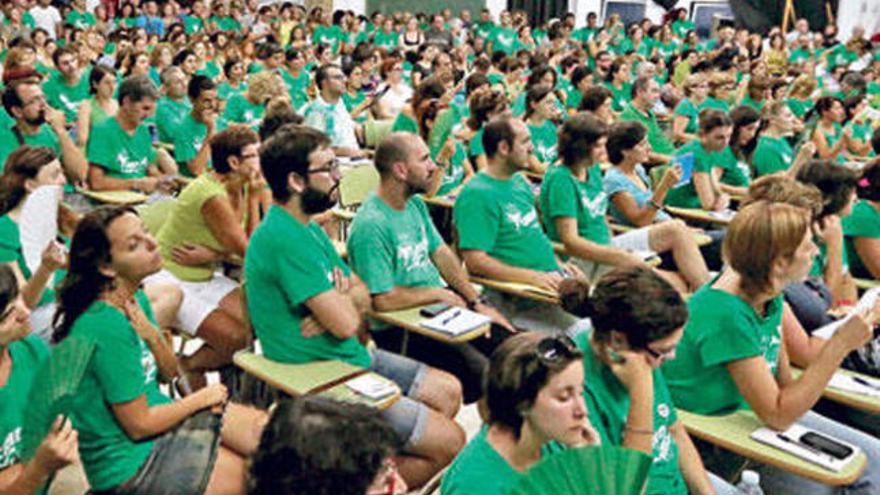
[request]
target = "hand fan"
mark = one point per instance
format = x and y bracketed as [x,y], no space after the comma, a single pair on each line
[38,223]
[587,471]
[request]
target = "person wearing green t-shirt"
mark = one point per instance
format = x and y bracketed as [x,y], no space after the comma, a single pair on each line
[618,82]
[124,157]
[397,251]
[248,107]
[685,122]
[711,159]
[387,38]
[131,434]
[503,37]
[29,168]
[173,106]
[829,137]
[731,356]
[78,17]
[523,420]
[37,124]
[862,228]
[68,86]
[773,153]
[645,93]
[21,357]
[306,305]
[624,389]
[296,78]
[192,147]
[541,116]
[500,234]
[329,35]
[234,72]
[447,151]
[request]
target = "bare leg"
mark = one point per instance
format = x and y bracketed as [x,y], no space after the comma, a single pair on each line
[676,237]
[440,443]
[165,300]
[440,391]
[224,333]
[229,474]
[242,428]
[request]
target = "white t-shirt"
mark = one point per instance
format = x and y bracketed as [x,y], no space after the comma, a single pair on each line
[333,120]
[46,18]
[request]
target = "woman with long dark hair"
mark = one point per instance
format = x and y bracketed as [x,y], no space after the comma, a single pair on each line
[134,439]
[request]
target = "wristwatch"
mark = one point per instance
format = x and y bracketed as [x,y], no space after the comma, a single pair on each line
[471,305]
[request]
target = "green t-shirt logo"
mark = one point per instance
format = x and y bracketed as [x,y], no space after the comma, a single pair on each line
[148,363]
[597,206]
[521,220]
[9,449]
[546,153]
[771,345]
[414,256]
[129,166]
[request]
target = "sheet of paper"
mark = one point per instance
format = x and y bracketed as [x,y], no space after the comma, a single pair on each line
[789,441]
[862,385]
[867,301]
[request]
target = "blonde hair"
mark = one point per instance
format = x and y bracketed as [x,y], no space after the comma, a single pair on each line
[264,85]
[719,79]
[802,87]
[759,235]
[779,188]
[692,80]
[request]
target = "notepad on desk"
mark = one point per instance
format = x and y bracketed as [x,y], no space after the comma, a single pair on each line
[862,385]
[372,387]
[456,321]
[868,300]
[810,445]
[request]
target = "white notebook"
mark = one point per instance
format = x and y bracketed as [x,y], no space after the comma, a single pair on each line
[456,321]
[862,385]
[792,441]
[371,387]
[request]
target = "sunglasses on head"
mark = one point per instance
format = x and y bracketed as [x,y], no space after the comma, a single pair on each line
[555,349]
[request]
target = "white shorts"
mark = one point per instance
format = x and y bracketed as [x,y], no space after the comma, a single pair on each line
[638,241]
[199,298]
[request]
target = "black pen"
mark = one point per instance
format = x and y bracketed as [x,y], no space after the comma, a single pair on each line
[451,317]
[862,381]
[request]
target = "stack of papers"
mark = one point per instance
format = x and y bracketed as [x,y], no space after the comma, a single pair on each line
[456,321]
[372,387]
[867,301]
[790,441]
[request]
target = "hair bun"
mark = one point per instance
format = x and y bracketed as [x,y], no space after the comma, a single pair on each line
[574,297]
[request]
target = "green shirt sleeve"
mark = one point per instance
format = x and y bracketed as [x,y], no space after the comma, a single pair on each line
[117,359]
[562,198]
[732,340]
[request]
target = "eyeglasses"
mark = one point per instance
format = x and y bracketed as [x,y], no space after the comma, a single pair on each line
[663,356]
[553,350]
[332,168]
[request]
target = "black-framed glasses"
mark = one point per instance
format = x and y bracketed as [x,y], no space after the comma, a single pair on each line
[332,168]
[552,350]
[667,354]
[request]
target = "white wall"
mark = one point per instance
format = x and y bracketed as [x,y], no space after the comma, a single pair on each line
[652,11]
[358,6]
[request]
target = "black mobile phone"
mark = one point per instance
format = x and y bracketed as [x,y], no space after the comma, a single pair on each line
[433,310]
[827,445]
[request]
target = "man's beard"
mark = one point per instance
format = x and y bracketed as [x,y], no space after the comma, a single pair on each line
[37,121]
[314,201]
[415,188]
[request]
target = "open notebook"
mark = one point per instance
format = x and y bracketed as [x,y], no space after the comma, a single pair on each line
[456,321]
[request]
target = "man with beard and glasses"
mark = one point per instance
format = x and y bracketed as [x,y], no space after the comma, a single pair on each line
[37,124]
[306,305]
[396,249]
[327,112]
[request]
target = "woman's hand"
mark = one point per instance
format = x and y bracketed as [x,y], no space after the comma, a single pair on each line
[59,448]
[188,254]
[54,256]
[631,368]
[859,329]
[210,396]
[670,177]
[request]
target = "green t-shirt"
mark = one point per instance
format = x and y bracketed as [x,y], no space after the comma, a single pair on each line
[286,264]
[544,139]
[328,35]
[721,328]
[297,88]
[685,196]
[864,221]
[499,217]
[748,101]
[186,223]
[715,104]
[241,111]
[563,195]
[80,20]
[389,41]
[619,96]
[211,70]
[584,34]
[120,154]
[28,355]
[686,108]
[226,23]
[479,468]
[352,101]
[771,155]
[660,142]
[11,252]
[389,248]
[169,114]
[475,146]
[608,404]
[192,24]
[799,107]
[453,175]
[121,370]
[66,98]
[680,28]
[45,136]
[189,138]
[405,123]
[503,39]
[736,173]
[226,90]
[484,29]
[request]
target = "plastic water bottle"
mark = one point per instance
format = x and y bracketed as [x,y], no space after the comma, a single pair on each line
[750,483]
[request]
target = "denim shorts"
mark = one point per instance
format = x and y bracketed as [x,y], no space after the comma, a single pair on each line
[181,460]
[408,417]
